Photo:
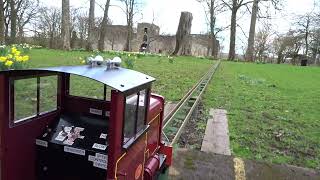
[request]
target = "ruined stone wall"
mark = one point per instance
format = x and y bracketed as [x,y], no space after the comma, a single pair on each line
[163,44]
[117,34]
[116,37]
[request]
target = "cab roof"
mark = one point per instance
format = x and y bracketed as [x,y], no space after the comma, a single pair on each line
[119,78]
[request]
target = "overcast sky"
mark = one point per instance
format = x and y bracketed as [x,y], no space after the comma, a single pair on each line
[166,14]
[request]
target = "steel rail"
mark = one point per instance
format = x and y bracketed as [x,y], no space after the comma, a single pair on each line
[176,108]
[201,85]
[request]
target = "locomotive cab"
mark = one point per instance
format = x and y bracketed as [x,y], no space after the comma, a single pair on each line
[47,132]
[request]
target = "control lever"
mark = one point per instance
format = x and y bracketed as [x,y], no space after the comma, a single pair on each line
[72,130]
[48,129]
[64,133]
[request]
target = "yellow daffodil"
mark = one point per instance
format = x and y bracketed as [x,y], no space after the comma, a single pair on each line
[25,58]
[10,56]
[17,53]
[3,59]
[83,62]
[129,55]
[19,58]
[9,63]
[13,50]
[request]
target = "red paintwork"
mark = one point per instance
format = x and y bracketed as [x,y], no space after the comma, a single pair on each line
[167,150]
[17,144]
[115,132]
[151,167]
[161,111]
[20,148]
[131,160]
[3,116]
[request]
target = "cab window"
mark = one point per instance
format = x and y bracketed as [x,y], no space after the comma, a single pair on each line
[88,88]
[135,114]
[33,96]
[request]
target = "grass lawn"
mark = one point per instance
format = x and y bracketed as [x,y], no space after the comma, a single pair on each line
[273,111]
[173,80]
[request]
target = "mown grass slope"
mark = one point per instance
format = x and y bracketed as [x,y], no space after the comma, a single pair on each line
[273,111]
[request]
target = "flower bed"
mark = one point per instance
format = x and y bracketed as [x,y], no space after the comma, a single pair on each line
[14,57]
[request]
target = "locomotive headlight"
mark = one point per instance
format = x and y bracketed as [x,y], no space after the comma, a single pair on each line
[97,61]
[114,63]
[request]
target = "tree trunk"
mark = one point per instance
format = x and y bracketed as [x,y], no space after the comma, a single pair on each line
[51,46]
[65,25]
[20,33]
[280,57]
[2,36]
[129,29]
[91,26]
[249,54]
[103,30]
[13,17]
[232,47]
[307,37]
[215,47]
[129,38]
[74,40]
[183,38]
[214,51]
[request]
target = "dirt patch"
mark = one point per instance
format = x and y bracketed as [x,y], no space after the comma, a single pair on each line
[193,133]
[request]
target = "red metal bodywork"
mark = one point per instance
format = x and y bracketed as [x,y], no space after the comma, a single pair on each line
[151,167]
[17,144]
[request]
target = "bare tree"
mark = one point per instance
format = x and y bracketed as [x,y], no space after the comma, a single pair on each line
[81,25]
[315,46]
[2,21]
[15,15]
[287,45]
[65,25]
[262,42]
[47,27]
[254,15]
[249,53]
[91,26]
[234,6]
[304,26]
[212,9]
[131,8]
[14,5]
[103,29]
[26,13]
[7,20]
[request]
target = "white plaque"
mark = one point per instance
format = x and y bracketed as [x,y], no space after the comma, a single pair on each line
[74,150]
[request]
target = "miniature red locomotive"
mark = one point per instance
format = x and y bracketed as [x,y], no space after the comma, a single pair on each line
[48,133]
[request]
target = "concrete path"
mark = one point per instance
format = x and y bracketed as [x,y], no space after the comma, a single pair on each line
[216,138]
[197,165]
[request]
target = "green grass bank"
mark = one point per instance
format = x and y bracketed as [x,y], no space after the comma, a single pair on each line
[273,111]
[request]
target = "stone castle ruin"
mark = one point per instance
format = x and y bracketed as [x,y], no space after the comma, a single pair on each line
[157,43]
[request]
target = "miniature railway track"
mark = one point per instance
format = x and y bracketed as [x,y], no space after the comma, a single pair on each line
[177,119]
